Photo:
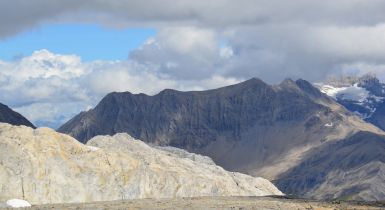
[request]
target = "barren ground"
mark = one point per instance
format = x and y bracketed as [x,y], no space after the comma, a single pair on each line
[215,203]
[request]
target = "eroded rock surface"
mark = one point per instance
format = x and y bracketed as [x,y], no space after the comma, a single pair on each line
[43,166]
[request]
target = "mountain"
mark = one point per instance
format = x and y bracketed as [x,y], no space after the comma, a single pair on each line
[251,127]
[355,165]
[365,96]
[7,115]
[43,166]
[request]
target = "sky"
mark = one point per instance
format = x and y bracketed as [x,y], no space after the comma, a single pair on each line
[60,57]
[89,41]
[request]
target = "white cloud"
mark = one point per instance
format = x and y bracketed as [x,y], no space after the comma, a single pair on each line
[125,76]
[274,52]
[364,42]
[187,39]
[359,68]
[51,114]
[182,52]
[226,52]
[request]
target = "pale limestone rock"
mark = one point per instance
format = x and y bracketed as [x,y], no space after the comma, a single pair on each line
[43,166]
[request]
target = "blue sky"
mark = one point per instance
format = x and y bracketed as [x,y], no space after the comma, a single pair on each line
[90,42]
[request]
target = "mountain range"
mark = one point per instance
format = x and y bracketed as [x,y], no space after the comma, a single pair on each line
[291,133]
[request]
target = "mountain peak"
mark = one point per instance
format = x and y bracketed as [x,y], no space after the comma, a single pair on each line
[308,88]
[371,83]
[252,82]
[7,115]
[288,83]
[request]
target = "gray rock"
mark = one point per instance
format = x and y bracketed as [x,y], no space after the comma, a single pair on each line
[181,153]
[7,115]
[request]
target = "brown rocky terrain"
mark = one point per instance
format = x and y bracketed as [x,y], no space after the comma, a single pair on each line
[223,203]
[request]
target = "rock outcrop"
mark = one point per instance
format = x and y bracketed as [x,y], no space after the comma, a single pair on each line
[43,166]
[7,115]
[251,127]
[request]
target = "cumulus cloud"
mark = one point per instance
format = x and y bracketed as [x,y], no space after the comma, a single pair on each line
[272,53]
[275,52]
[182,52]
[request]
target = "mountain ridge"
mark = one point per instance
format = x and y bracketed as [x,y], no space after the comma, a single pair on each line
[250,127]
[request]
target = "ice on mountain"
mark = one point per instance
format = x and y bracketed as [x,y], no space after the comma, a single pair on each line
[352,93]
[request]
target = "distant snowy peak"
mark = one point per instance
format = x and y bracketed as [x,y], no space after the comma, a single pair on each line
[361,95]
[353,93]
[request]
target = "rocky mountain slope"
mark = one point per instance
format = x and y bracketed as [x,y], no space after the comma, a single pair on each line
[43,166]
[251,127]
[364,96]
[7,115]
[352,168]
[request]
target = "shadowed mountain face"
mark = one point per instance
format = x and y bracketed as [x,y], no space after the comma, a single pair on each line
[250,127]
[356,165]
[7,115]
[193,119]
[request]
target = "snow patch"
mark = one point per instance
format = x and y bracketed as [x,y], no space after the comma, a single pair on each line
[330,90]
[18,203]
[378,99]
[352,93]
[362,101]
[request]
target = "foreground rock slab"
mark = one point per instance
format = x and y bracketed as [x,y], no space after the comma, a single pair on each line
[42,166]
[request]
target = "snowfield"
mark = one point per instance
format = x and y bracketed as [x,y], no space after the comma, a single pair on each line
[18,203]
[353,93]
